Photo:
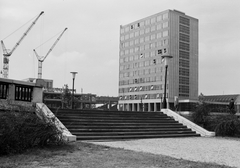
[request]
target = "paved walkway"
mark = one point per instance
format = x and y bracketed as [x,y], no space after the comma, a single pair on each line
[222,151]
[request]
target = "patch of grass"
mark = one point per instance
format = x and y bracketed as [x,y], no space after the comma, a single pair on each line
[87,155]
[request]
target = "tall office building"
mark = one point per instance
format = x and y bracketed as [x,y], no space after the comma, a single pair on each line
[141,70]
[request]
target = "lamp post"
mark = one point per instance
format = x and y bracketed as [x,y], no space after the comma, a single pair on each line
[73,75]
[166,60]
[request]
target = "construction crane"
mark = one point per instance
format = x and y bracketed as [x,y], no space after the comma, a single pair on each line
[7,52]
[42,58]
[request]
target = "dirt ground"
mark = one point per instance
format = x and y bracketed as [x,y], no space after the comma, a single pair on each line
[85,155]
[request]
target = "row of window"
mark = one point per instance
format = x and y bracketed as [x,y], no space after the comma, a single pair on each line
[143,23]
[184,89]
[146,63]
[183,71]
[145,39]
[141,72]
[184,20]
[141,80]
[184,37]
[184,54]
[141,88]
[184,63]
[184,29]
[184,46]
[141,97]
[143,55]
[144,31]
[147,46]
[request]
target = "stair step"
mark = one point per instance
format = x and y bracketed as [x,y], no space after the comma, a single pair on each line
[124,126]
[131,133]
[135,136]
[73,130]
[115,121]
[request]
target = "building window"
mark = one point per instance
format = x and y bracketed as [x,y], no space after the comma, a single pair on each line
[183,54]
[153,20]
[165,33]
[126,36]
[160,51]
[165,24]
[184,29]
[184,37]
[122,38]
[165,16]
[153,36]
[165,42]
[153,28]
[146,46]
[184,80]
[184,46]
[136,33]
[121,30]
[131,35]
[142,32]
[136,41]
[147,22]
[126,29]
[131,43]
[184,21]
[159,26]
[183,63]
[159,34]
[147,30]
[159,18]
[147,38]
[141,40]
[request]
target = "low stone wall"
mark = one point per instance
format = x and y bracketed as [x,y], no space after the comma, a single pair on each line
[46,114]
[203,132]
[10,105]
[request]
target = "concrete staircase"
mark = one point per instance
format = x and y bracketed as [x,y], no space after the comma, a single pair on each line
[111,125]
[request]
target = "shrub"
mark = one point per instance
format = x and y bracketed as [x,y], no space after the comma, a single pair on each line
[229,126]
[200,114]
[22,130]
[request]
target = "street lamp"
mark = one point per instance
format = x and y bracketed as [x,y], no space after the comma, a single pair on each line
[73,75]
[165,58]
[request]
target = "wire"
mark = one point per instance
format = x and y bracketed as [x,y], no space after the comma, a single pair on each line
[47,40]
[20,27]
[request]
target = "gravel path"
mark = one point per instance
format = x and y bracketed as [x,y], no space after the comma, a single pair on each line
[216,150]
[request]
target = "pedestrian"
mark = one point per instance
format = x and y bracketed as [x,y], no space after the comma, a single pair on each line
[231,106]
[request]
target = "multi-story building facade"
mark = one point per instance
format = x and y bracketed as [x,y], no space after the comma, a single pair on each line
[141,70]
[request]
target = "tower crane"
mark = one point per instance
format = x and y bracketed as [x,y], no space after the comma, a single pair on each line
[42,58]
[7,52]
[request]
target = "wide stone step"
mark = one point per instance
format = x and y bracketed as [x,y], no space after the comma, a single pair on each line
[131,133]
[136,129]
[114,121]
[107,117]
[124,126]
[135,136]
[120,124]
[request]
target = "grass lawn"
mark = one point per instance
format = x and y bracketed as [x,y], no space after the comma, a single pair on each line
[85,155]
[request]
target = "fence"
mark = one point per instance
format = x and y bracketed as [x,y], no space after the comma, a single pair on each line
[15,90]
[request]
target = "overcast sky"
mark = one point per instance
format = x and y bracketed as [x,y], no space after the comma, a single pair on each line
[90,46]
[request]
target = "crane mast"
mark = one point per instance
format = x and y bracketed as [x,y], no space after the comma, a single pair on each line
[42,58]
[7,52]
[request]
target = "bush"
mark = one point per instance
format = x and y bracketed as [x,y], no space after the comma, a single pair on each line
[22,130]
[229,126]
[200,114]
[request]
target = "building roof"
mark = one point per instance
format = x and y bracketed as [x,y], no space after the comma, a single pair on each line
[221,98]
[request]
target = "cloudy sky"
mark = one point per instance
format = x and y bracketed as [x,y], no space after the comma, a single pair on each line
[90,46]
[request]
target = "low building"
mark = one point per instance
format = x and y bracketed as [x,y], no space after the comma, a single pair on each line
[220,103]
